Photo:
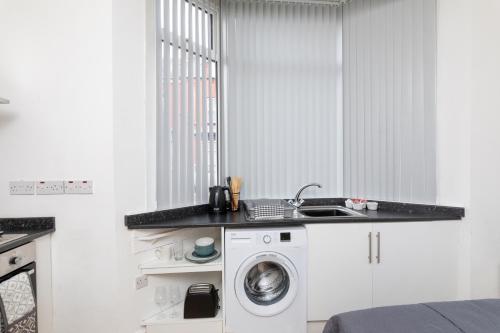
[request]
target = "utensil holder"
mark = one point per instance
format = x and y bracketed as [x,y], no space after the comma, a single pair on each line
[235,201]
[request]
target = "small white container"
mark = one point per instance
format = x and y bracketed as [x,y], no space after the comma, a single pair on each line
[372,205]
[348,203]
[358,206]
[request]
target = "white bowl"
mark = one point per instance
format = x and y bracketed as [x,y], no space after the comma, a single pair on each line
[358,206]
[204,241]
[372,205]
[348,203]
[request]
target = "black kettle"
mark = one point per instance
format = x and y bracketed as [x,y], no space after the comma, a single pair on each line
[217,199]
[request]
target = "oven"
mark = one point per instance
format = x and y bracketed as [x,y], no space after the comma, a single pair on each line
[18,310]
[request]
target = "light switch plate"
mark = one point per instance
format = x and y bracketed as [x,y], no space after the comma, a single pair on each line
[78,187]
[50,187]
[22,187]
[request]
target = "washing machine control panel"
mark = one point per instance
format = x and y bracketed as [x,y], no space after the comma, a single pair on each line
[276,237]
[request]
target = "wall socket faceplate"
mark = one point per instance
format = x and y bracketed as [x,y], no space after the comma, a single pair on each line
[49,187]
[78,187]
[22,187]
[141,282]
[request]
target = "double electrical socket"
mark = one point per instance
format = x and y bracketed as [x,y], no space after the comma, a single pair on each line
[22,188]
[78,187]
[51,187]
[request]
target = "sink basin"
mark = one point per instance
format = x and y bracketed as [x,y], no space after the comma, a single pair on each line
[326,212]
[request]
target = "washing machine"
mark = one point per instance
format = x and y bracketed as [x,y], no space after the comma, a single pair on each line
[266,280]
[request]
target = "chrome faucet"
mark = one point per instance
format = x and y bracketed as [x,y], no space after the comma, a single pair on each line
[297,202]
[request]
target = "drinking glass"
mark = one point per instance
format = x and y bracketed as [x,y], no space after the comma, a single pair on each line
[161,298]
[174,299]
[160,253]
[178,250]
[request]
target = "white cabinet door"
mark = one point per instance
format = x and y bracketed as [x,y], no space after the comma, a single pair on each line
[419,262]
[339,273]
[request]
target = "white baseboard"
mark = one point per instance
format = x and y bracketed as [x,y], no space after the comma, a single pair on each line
[315,326]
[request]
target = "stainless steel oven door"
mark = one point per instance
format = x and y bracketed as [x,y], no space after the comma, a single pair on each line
[18,311]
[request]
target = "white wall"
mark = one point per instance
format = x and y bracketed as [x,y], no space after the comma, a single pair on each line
[453,119]
[56,68]
[129,90]
[485,157]
[469,134]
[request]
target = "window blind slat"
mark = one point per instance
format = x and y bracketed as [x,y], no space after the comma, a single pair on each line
[161,48]
[183,108]
[191,101]
[199,165]
[203,106]
[174,115]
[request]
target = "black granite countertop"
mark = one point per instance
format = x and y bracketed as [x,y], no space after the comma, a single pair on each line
[199,216]
[33,227]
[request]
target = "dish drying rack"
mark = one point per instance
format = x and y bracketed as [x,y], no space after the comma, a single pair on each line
[268,209]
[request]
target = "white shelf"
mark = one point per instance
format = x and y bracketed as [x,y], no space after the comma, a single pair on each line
[182,266]
[164,318]
[171,266]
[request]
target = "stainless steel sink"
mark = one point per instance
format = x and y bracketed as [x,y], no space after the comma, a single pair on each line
[325,212]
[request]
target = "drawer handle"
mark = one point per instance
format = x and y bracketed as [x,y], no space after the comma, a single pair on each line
[379,256]
[370,256]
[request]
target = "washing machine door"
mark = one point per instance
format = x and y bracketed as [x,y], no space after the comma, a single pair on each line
[266,284]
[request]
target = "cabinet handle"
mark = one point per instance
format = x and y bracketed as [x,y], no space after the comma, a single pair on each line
[370,248]
[379,256]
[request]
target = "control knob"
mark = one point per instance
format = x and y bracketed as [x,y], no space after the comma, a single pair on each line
[266,239]
[15,260]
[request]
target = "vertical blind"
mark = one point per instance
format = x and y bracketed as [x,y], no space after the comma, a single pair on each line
[389,49]
[187,60]
[283,96]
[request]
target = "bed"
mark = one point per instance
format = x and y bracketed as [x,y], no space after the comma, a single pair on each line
[479,316]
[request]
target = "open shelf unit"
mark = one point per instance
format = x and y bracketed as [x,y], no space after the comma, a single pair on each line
[183,273]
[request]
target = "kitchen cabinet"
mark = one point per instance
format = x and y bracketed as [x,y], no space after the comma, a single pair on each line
[418,263]
[409,263]
[339,274]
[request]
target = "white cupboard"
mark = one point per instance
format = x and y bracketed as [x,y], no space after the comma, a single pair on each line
[419,263]
[360,265]
[339,275]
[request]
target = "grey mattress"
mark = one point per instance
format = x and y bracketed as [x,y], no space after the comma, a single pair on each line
[480,316]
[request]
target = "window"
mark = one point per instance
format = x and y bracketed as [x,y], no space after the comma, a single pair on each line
[187,67]
[390,100]
[283,102]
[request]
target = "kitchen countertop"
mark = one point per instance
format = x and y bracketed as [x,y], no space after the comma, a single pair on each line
[34,227]
[199,216]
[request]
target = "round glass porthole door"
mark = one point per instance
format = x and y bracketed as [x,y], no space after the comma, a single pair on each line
[266,284]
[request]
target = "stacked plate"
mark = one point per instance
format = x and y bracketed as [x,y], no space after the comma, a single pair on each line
[204,251]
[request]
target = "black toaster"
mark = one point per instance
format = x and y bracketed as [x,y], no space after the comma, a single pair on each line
[202,301]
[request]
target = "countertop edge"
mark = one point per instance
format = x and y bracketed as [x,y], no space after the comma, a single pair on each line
[33,227]
[271,223]
[31,236]
[199,216]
